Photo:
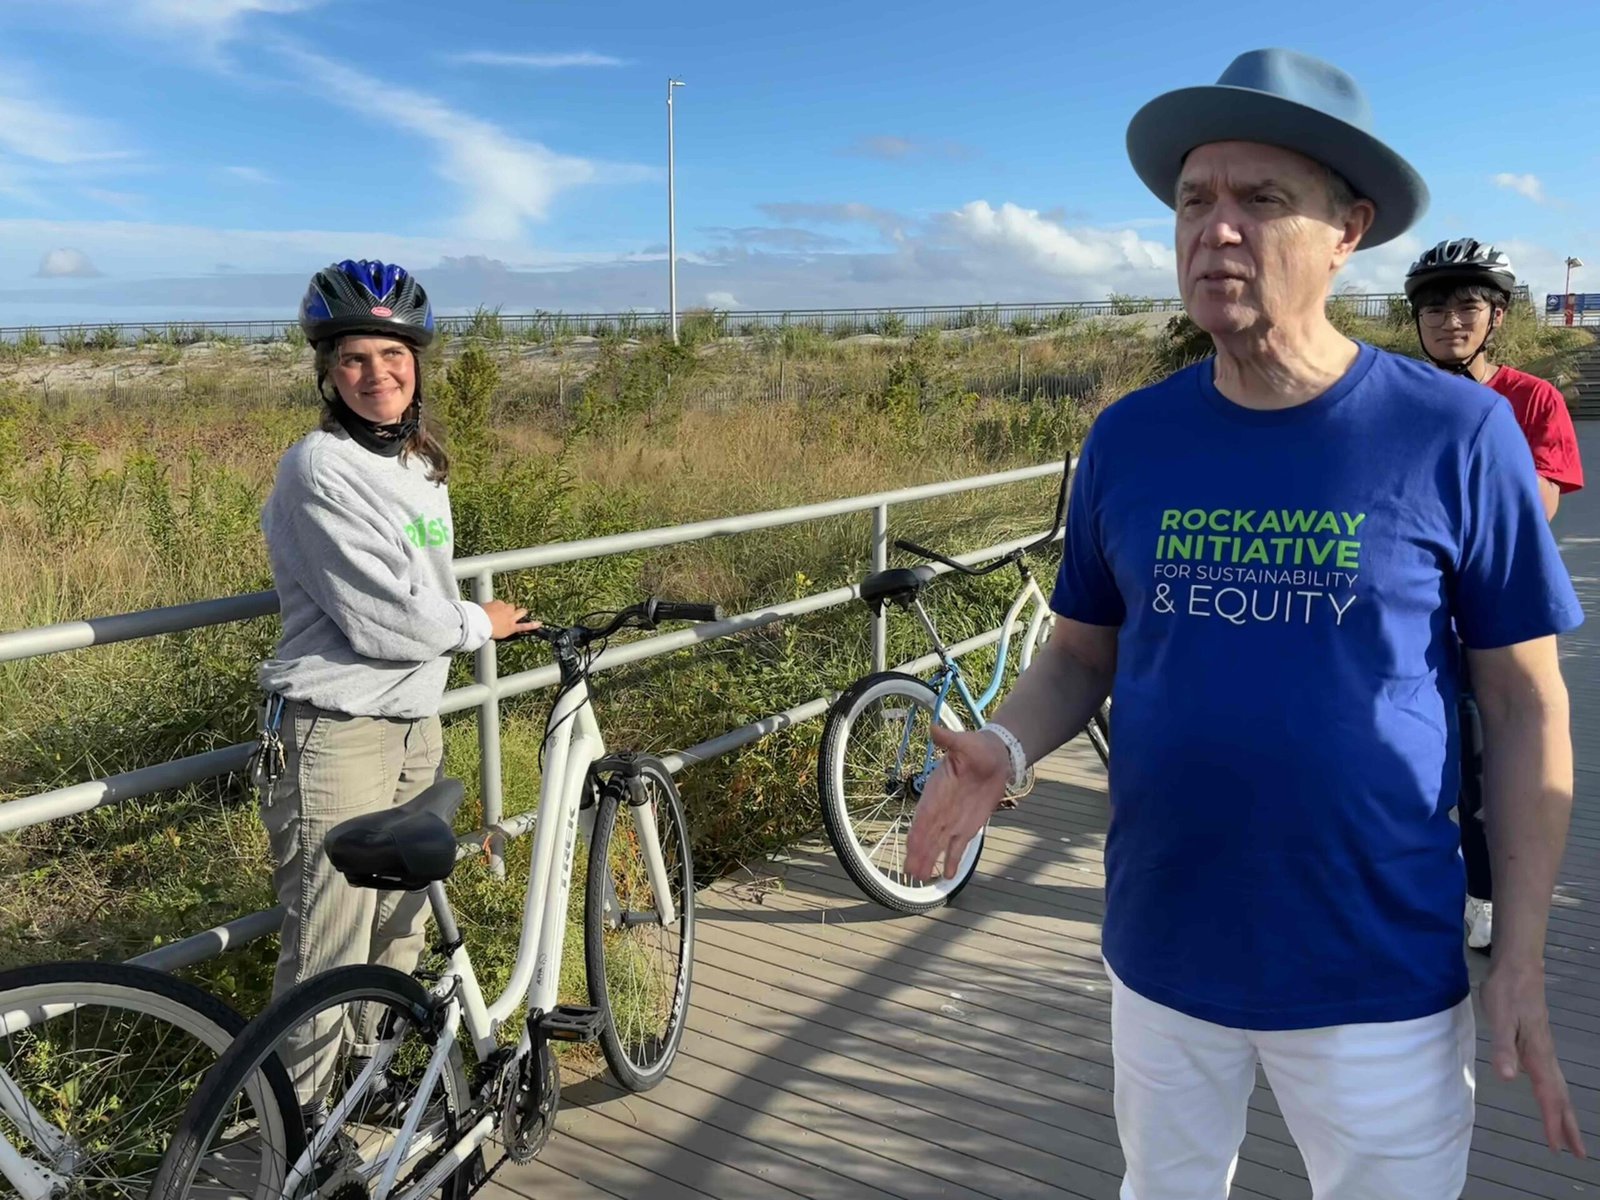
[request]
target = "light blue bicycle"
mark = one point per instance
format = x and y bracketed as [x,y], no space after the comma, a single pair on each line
[877,749]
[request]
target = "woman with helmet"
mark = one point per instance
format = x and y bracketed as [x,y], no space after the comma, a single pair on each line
[359,534]
[1459,293]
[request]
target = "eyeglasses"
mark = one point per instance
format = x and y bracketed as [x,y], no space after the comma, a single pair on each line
[1434,316]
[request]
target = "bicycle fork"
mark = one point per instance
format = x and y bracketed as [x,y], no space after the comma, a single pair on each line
[627,775]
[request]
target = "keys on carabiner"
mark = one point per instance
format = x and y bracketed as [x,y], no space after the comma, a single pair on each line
[270,760]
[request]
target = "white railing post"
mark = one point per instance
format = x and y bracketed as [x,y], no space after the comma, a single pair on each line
[880,562]
[486,672]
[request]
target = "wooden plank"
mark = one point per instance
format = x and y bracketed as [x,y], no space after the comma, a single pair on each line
[541,1180]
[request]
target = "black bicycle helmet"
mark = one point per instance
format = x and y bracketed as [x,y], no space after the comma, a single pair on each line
[366,297]
[1461,262]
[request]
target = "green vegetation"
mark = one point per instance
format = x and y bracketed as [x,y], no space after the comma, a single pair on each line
[121,497]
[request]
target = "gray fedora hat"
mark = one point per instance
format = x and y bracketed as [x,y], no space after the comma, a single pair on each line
[1281,98]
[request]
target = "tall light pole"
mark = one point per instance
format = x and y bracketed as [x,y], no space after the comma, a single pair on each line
[672,218]
[1566,288]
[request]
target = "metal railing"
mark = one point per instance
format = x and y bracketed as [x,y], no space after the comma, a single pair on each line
[489,688]
[549,326]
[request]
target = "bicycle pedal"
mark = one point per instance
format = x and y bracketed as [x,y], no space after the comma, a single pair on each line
[571,1023]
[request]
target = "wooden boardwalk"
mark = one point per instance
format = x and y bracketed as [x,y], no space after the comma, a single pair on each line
[836,1052]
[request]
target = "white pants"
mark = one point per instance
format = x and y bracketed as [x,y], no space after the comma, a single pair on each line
[1379,1112]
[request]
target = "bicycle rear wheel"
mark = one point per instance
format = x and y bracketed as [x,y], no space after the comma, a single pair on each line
[219,1153]
[639,969]
[871,770]
[97,1061]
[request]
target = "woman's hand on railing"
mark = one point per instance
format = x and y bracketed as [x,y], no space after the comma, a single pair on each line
[506,620]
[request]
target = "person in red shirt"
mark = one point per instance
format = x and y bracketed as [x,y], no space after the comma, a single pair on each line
[1459,293]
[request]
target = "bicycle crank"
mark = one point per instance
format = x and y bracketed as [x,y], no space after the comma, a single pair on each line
[532,1089]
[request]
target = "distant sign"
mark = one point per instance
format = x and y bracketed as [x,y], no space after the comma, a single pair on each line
[1581,302]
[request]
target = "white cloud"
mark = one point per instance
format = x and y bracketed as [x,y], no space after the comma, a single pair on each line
[208,22]
[146,249]
[159,272]
[1525,185]
[1383,268]
[33,128]
[249,174]
[781,238]
[1544,268]
[66,263]
[1022,235]
[508,182]
[543,62]
[885,222]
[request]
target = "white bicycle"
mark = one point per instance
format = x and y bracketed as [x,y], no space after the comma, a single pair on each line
[383,1105]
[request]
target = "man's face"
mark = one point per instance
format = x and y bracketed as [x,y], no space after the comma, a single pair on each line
[1454,326]
[1258,240]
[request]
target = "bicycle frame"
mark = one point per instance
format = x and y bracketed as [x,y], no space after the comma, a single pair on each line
[32,1181]
[573,745]
[949,672]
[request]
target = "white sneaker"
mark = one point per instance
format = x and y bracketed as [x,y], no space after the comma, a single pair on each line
[1479,920]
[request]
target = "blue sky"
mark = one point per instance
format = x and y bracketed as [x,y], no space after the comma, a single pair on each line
[202,157]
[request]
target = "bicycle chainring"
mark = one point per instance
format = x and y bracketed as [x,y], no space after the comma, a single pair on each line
[531,1087]
[346,1185]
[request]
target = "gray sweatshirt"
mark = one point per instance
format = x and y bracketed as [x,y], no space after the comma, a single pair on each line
[360,547]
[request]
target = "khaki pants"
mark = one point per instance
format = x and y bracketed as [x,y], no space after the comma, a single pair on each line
[337,767]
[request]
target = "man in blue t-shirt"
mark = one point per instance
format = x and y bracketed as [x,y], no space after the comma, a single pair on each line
[1265,556]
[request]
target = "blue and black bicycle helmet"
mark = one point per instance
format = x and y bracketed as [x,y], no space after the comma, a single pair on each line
[366,297]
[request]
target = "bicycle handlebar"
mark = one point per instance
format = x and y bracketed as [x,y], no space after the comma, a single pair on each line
[645,615]
[932,556]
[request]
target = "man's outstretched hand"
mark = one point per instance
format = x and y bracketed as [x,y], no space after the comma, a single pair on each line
[960,797]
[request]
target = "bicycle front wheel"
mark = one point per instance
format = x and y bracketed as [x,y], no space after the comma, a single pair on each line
[871,771]
[97,1061]
[638,965]
[220,1152]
